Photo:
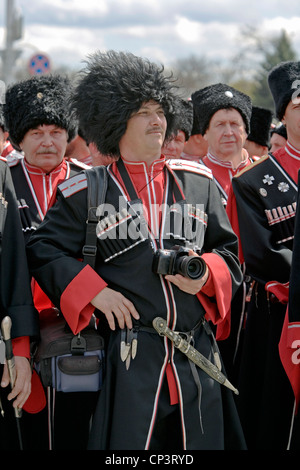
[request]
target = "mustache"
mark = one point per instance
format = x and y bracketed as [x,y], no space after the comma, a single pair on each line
[154,130]
[46,152]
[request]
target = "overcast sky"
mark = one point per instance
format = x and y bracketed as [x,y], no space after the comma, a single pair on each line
[162,30]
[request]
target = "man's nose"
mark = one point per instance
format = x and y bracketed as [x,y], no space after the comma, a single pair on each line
[47,140]
[156,119]
[228,129]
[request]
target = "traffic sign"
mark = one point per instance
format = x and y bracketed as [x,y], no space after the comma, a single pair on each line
[39,64]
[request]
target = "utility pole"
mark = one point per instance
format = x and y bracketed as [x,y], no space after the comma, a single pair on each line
[14,31]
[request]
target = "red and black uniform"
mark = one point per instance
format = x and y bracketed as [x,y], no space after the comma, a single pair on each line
[223,172]
[262,211]
[15,298]
[36,192]
[156,202]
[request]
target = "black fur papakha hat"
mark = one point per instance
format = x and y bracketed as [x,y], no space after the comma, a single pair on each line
[212,98]
[113,86]
[185,114]
[37,101]
[260,124]
[284,83]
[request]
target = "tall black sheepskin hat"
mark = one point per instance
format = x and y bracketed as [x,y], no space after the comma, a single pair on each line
[37,101]
[2,121]
[284,83]
[260,124]
[185,115]
[210,99]
[113,86]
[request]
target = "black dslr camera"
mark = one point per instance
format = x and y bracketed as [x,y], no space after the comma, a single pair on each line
[178,261]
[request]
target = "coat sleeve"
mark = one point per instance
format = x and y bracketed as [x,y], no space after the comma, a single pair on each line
[221,256]
[265,260]
[55,260]
[16,296]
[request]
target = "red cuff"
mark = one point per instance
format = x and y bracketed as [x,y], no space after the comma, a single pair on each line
[21,346]
[216,294]
[75,300]
[281,291]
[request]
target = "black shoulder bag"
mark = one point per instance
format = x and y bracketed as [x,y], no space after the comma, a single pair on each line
[68,362]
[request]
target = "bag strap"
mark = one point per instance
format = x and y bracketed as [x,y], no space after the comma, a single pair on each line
[96,192]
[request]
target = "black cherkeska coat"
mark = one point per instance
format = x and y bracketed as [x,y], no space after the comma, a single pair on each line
[266,198]
[127,407]
[15,292]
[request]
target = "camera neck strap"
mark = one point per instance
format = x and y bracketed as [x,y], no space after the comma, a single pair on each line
[176,193]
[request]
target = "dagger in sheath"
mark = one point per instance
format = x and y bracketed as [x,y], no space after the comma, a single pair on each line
[160,325]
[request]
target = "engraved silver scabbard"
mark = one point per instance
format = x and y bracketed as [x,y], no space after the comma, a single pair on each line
[160,325]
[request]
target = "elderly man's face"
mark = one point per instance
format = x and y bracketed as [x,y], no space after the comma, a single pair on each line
[226,134]
[45,146]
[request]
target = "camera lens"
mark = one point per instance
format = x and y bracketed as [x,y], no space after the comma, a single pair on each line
[192,267]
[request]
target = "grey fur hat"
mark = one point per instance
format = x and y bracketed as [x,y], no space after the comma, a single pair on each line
[37,101]
[284,82]
[212,98]
[113,86]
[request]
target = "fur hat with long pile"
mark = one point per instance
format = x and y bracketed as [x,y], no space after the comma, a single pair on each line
[37,101]
[113,86]
[212,98]
[284,81]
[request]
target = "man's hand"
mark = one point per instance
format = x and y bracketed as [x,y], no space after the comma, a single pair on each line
[113,304]
[190,286]
[22,387]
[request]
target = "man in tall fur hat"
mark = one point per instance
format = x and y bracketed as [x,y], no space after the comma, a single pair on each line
[196,146]
[152,396]
[174,146]
[258,140]
[40,123]
[223,115]
[263,210]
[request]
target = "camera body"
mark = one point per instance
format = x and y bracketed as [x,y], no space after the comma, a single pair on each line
[178,261]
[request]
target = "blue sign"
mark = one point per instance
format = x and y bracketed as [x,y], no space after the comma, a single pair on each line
[39,64]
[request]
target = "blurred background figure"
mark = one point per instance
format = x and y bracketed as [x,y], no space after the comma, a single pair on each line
[278,137]
[258,141]
[196,146]
[173,147]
